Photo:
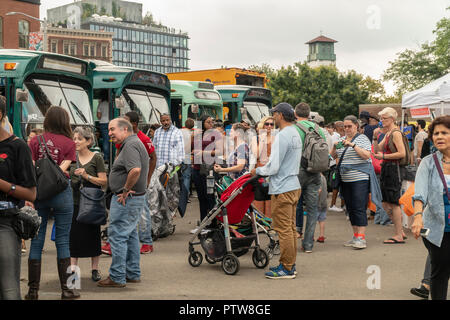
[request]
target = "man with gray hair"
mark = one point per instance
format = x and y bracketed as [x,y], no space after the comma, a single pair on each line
[310,182]
[168,141]
[128,182]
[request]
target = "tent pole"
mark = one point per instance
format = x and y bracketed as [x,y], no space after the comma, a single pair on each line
[442,108]
[403,119]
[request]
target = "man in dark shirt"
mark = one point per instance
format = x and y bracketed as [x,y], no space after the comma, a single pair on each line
[128,182]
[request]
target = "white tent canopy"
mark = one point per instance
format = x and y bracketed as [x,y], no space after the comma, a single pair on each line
[435,95]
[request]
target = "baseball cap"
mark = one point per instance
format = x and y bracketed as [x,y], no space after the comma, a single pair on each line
[285,109]
[318,119]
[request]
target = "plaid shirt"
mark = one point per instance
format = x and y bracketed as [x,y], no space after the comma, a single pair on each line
[169,146]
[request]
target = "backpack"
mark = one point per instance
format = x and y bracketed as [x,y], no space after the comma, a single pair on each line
[315,153]
[405,160]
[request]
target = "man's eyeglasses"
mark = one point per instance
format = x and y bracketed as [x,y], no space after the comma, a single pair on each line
[348,127]
[268,124]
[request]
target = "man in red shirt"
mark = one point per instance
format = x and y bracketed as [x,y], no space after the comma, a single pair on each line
[145,223]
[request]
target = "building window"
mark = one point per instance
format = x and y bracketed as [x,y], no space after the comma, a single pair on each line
[104,51]
[54,46]
[69,48]
[24,29]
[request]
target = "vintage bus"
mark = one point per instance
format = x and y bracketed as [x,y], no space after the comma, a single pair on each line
[193,99]
[33,81]
[143,91]
[245,102]
[224,76]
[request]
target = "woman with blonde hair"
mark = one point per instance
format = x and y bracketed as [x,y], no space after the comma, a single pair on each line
[262,146]
[391,150]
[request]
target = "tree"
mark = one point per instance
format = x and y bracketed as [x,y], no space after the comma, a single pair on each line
[415,68]
[377,92]
[148,19]
[331,93]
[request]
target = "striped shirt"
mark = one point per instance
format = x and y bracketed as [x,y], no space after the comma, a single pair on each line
[352,157]
[169,146]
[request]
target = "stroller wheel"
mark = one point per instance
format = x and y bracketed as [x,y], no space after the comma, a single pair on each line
[260,258]
[210,260]
[195,259]
[230,264]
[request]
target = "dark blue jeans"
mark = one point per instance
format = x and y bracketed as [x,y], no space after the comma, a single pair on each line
[299,215]
[9,261]
[105,138]
[310,184]
[206,201]
[62,206]
[356,196]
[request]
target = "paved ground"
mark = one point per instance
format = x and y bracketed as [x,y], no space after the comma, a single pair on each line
[330,272]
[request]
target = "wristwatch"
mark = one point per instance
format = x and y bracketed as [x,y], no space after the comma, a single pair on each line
[418,213]
[125,190]
[13,188]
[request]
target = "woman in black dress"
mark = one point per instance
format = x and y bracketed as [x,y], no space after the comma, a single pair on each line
[85,239]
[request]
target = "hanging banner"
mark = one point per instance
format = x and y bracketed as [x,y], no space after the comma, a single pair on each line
[36,41]
[421,112]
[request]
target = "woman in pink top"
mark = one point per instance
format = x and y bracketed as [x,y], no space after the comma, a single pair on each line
[58,138]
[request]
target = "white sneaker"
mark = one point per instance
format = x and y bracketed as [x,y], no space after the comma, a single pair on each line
[360,243]
[350,243]
[334,208]
[194,230]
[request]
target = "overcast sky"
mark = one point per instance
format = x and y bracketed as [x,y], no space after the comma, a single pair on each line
[239,33]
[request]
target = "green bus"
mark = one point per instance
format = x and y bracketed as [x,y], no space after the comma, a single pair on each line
[245,102]
[193,99]
[146,92]
[32,81]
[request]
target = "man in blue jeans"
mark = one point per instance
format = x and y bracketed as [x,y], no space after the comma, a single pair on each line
[128,181]
[310,182]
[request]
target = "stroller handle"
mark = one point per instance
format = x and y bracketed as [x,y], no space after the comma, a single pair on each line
[251,180]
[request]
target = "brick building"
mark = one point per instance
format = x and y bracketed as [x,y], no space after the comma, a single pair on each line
[14,29]
[83,44]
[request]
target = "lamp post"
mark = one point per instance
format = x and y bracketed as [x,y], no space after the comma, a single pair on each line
[43,25]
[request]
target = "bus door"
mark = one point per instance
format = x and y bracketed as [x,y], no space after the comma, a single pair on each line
[176,112]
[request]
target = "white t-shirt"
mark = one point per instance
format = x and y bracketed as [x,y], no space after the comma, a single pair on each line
[421,136]
[103,107]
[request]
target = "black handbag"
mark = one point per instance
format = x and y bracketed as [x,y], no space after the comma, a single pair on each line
[92,208]
[27,223]
[51,180]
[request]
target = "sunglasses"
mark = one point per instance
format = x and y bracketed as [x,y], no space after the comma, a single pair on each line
[348,127]
[268,124]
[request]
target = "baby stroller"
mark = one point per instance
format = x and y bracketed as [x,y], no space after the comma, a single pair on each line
[221,243]
[245,227]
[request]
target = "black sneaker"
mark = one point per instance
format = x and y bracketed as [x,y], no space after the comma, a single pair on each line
[421,292]
[96,276]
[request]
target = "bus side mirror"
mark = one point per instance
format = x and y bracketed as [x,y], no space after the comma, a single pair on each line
[21,95]
[195,108]
[120,104]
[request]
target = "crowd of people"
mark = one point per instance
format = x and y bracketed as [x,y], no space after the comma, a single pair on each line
[365,159]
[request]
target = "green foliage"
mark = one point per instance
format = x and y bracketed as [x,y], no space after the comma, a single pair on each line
[377,93]
[415,68]
[331,93]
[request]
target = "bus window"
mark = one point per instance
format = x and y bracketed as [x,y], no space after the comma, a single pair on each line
[256,111]
[149,106]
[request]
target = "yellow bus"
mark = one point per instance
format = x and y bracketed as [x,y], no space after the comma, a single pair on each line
[225,76]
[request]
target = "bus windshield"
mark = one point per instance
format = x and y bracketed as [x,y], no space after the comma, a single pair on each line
[47,93]
[256,111]
[203,110]
[150,106]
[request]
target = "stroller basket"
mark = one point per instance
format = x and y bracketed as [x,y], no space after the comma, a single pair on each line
[213,243]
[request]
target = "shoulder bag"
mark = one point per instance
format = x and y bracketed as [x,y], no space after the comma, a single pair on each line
[92,205]
[51,180]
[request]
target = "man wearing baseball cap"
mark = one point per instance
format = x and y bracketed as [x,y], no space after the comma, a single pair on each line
[284,188]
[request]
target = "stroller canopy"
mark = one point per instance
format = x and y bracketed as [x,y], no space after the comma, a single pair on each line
[237,208]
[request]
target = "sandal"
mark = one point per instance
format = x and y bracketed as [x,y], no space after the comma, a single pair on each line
[393,241]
